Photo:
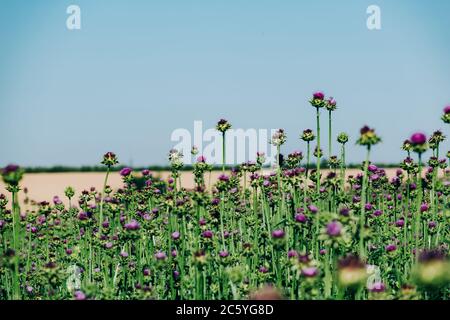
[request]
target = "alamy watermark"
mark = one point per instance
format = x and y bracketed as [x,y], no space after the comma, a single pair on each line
[73,21]
[242,145]
[374,19]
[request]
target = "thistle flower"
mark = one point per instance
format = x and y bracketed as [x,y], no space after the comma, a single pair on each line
[12,174]
[317,100]
[175,235]
[132,225]
[309,272]
[294,159]
[160,255]
[419,142]
[194,150]
[260,158]
[368,137]
[125,172]
[331,104]
[109,159]
[342,138]
[208,234]
[223,125]
[69,192]
[308,135]
[407,145]
[436,139]
[279,138]
[334,229]
[318,153]
[446,115]
[176,159]
[278,234]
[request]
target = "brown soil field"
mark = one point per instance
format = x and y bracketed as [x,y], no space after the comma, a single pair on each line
[44,186]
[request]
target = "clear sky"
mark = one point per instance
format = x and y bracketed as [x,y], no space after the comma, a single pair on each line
[137,70]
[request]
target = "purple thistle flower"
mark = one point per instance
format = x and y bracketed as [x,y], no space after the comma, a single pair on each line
[160,255]
[418,138]
[334,229]
[313,209]
[377,213]
[344,212]
[79,295]
[207,234]
[83,216]
[424,207]
[278,234]
[318,95]
[132,225]
[309,272]
[391,247]
[400,223]
[300,217]
[263,269]
[292,254]
[175,235]
[224,178]
[223,254]
[125,172]
[447,110]
[378,287]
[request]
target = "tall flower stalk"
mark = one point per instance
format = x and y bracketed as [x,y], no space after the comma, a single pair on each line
[367,138]
[12,175]
[109,160]
[330,105]
[223,126]
[342,139]
[318,102]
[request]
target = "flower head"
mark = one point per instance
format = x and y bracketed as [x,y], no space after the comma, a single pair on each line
[317,100]
[12,174]
[278,234]
[125,172]
[223,126]
[279,138]
[342,138]
[334,229]
[446,115]
[176,159]
[331,104]
[368,137]
[419,142]
[308,135]
[110,159]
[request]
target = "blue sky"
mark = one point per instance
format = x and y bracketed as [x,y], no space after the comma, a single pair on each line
[137,70]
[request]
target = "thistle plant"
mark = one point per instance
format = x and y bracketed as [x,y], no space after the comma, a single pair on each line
[12,175]
[331,106]
[223,126]
[368,138]
[419,145]
[308,136]
[318,102]
[342,139]
[109,160]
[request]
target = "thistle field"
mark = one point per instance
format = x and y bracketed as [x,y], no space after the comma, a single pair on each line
[295,231]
